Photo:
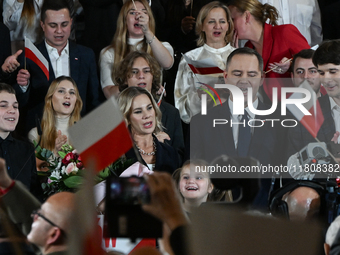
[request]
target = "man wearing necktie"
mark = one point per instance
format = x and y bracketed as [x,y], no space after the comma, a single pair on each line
[238,136]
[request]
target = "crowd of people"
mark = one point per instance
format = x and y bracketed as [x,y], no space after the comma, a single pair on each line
[163,62]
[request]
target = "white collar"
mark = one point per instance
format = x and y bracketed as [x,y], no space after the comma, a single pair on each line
[252,115]
[334,106]
[219,50]
[134,41]
[50,49]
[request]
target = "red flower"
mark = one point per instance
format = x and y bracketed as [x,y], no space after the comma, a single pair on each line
[68,158]
[80,165]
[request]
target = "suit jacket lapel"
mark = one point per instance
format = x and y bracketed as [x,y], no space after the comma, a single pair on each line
[74,61]
[328,126]
[227,134]
[256,133]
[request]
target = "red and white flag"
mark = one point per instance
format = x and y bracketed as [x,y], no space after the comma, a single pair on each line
[203,66]
[85,238]
[101,136]
[32,53]
[311,122]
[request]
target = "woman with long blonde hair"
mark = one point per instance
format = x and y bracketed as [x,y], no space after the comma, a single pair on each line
[62,109]
[135,31]
[22,17]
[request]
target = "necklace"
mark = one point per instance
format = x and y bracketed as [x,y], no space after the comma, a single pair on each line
[141,151]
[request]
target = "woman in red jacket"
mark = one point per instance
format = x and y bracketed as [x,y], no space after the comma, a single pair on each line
[276,44]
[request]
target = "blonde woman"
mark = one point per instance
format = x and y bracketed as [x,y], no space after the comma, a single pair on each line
[135,31]
[215,29]
[22,17]
[62,109]
[143,119]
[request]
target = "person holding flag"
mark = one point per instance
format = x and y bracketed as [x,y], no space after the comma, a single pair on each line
[326,59]
[215,28]
[62,57]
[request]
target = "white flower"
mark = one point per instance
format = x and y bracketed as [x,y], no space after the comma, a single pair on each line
[56,175]
[71,168]
[63,170]
[59,164]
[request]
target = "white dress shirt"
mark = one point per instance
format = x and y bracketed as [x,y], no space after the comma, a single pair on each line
[237,119]
[336,115]
[60,64]
[304,14]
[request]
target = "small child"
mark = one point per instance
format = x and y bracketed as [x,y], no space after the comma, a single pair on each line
[194,186]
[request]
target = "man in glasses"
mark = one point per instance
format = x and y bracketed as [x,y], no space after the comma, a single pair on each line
[50,222]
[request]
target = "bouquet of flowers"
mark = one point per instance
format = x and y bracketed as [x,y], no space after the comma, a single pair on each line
[66,172]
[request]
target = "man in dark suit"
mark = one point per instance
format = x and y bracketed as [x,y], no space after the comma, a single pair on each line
[64,58]
[327,60]
[19,155]
[244,70]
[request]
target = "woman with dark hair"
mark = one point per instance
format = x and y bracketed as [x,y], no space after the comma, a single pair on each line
[215,29]
[139,69]
[143,119]
[276,44]
[135,31]
[62,109]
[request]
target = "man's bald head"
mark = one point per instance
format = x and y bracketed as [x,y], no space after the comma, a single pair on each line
[303,203]
[61,207]
[57,209]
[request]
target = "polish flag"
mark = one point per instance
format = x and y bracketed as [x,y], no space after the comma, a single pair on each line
[311,122]
[101,136]
[203,67]
[32,53]
[85,237]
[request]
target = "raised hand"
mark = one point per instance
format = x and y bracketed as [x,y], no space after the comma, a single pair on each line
[5,180]
[188,24]
[11,64]
[60,141]
[143,20]
[161,136]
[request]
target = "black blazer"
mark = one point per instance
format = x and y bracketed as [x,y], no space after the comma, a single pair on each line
[82,69]
[208,142]
[5,42]
[173,126]
[166,157]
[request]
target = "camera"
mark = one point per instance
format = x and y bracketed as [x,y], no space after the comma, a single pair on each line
[124,216]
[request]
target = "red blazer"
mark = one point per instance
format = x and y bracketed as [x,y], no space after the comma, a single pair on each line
[279,42]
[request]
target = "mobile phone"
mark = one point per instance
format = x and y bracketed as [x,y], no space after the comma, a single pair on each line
[124,216]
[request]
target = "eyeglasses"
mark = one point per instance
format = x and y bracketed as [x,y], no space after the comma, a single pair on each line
[37,212]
